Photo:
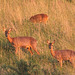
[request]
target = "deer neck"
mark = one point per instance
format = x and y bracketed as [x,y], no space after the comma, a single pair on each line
[9,38]
[52,51]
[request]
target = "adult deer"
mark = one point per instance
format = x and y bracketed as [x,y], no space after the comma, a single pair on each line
[22,42]
[39,18]
[61,55]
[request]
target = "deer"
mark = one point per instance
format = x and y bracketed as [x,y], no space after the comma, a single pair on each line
[22,42]
[62,55]
[39,18]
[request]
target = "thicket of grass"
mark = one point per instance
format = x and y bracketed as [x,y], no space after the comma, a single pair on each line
[60,27]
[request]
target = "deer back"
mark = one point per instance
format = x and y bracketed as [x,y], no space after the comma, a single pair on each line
[64,54]
[23,41]
[39,18]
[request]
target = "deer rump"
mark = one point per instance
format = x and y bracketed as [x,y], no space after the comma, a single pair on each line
[64,54]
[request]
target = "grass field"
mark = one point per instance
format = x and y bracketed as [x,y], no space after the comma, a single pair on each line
[60,27]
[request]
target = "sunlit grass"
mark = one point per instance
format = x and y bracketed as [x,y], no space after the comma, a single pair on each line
[60,27]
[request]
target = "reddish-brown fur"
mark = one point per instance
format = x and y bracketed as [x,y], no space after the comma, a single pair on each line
[61,55]
[22,42]
[39,18]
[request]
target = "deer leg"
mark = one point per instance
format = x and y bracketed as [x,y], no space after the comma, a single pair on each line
[34,48]
[16,48]
[60,61]
[29,49]
[73,62]
[37,52]
[19,52]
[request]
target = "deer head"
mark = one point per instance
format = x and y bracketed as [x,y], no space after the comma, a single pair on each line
[7,31]
[50,44]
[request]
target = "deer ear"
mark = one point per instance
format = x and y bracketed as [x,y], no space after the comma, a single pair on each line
[48,41]
[53,42]
[10,29]
[4,29]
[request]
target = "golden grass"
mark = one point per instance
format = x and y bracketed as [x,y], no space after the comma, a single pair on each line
[60,26]
[16,14]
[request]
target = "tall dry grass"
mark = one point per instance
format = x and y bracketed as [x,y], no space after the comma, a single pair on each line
[60,27]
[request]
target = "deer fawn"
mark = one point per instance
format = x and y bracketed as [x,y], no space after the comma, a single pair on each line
[39,18]
[62,54]
[22,42]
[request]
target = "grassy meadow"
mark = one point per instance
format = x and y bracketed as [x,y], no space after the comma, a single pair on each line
[60,27]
